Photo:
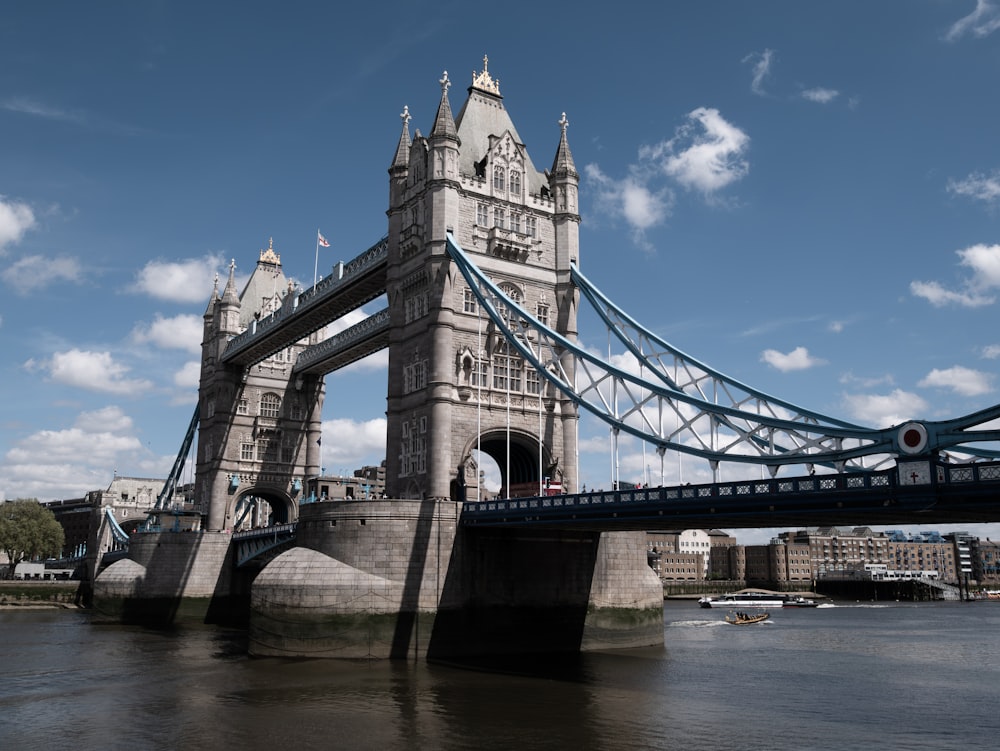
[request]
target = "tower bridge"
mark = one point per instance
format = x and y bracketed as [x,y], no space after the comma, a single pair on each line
[480,272]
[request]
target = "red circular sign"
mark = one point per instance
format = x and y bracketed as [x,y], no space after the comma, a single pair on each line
[912,438]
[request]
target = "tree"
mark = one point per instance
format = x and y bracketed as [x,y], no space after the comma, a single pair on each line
[28,530]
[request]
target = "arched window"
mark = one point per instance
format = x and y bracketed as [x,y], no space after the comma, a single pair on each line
[515,183]
[498,179]
[270,405]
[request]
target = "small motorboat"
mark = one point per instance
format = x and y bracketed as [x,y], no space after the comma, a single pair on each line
[746,619]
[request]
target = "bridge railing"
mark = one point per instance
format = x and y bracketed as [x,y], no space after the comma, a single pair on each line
[818,484]
[375,255]
[356,333]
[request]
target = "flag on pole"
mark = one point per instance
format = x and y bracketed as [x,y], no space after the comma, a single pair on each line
[322,240]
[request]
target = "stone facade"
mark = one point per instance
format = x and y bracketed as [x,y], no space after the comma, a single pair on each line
[259,430]
[455,385]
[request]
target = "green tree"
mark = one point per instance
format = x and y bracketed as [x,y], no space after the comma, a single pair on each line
[28,530]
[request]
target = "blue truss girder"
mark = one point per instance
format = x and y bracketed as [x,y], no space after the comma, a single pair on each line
[752,427]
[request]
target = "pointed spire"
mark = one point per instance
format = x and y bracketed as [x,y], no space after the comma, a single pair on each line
[444,123]
[229,295]
[402,158]
[213,298]
[562,165]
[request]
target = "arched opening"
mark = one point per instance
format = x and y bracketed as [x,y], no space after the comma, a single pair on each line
[526,477]
[259,508]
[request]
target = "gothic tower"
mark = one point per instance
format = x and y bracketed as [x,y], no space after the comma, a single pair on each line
[259,432]
[455,385]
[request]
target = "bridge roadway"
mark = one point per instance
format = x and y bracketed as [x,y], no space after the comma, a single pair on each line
[955,494]
[359,281]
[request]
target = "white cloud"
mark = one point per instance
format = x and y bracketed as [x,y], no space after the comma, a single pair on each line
[32,273]
[982,22]
[820,95]
[348,444]
[963,381]
[984,262]
[51,464]
[798,359]
[762,62]
[189,376]
[186,281]
[631,199]
[978,186]
[93,371]
[179,332]
[16,218]
[884,410]
[706,154]
[991,351]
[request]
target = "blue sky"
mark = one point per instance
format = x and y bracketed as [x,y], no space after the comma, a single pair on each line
[805,196]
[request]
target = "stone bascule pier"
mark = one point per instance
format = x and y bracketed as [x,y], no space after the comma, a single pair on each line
[400,576]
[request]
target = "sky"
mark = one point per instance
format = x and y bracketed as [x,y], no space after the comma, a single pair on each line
[805,196]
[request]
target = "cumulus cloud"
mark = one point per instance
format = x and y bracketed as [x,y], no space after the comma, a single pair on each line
[188,281]
[348,444]
[16,218]
[188,377]
[820,95]
[982,22]
[761,63]
[978,186]
[178,332]
[984,263]
[93,371]
[991,351]
[32,273]
[798,359]
[963,381]
[705,154]
[50,464]
[884,410]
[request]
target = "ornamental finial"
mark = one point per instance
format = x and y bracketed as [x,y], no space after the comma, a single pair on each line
[563,123]
[445,83]
[405,116]
[484,81]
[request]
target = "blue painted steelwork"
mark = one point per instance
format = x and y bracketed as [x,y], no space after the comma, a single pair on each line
[254,543]
[921,490]
[710,415]
[175,472]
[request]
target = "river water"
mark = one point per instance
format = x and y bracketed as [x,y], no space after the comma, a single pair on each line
[886,676]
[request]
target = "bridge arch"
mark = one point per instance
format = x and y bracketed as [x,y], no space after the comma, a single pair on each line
[524,469]
[261,507]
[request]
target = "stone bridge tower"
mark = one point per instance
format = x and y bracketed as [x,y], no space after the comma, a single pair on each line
[454,384]
[259,434]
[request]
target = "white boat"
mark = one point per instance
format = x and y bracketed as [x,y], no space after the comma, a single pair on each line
[749,599]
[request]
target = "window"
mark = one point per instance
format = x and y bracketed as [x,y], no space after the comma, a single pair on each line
[287,452]
[515,221]
[477,375]
[515,182]
[532,381]
[499,218]
[270,405]
[498,179]
[267,447]
[542,313]
[531,226]
[469,304]
[246,451]
[482,215]
[507,368]
[243,407]
[415,306]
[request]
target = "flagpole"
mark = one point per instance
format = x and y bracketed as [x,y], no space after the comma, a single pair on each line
[316,265]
